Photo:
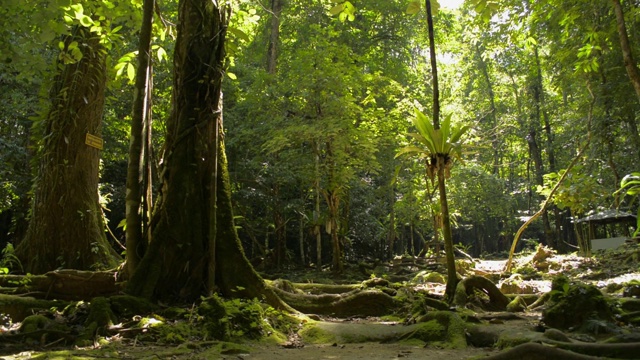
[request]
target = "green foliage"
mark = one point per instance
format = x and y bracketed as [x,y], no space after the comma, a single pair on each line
[235,318]
[436,144]
[579,191]
[9,261]
[344,10]
[485,9]
[630,185]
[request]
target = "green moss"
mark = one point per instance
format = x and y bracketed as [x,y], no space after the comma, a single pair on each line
[312,334]
[177,332]
[510,339]
[35,322]
[517,305]
[18,307]
[128,306]
[435,277]
[100,315]
[241,318]
[280,321]
[53,330]
[430,331]
[444,327]
[284,285]
[214,315]
[574,305]
[392,318]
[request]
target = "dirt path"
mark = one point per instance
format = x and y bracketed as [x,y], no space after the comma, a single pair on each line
[368,351]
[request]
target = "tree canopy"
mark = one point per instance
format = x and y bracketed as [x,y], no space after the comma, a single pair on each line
[318,99]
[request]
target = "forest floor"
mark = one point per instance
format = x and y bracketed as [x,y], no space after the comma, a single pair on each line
[374,338]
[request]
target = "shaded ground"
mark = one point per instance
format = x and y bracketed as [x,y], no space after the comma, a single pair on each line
[370,351]
[373,337]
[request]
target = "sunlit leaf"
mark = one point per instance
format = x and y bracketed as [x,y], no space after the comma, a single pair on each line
[239,33]
[409,150]
[131,72]
[85,21]
[413,7]
[161,53]
[336,9]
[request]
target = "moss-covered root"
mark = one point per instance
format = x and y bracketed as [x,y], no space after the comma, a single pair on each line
[534,351]
[498,301]
[354,303]
[19,307]
[444,327]
[100,316]
[610,351]
[42,329]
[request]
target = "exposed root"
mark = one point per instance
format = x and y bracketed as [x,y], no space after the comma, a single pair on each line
[354,303]
[498,301]
[534,351]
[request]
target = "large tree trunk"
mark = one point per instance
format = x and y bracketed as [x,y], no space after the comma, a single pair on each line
[194,248]
[66,227]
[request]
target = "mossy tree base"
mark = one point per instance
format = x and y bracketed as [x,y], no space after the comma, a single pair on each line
[62,284]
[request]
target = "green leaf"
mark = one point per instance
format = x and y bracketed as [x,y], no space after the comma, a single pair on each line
[232,76]
[445,129]
[423,124]
[47,35]
[161,53]
[458,132]
[336,9]
[239,33]
[413,7]
[428,142]
[131,72]
[85,21]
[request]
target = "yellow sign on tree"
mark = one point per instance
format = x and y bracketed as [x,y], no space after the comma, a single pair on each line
[94,141]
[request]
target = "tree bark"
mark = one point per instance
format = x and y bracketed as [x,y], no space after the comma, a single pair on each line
[627,54]
[316,212]
[274,37]
[66,228]
[136,245]
[495,140]
[452,275]
[441,159]
[192,225]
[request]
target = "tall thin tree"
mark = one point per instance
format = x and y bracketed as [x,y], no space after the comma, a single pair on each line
[139,152]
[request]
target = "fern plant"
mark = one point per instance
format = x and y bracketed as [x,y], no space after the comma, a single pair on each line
[440,147]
